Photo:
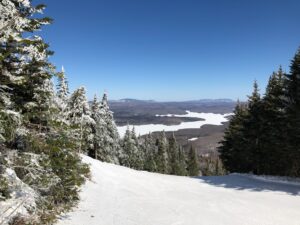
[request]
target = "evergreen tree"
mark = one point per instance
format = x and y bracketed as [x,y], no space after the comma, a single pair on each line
[293,118]
[231,149]
[110,140]
[80,119]
[62,97]
[273,126]
[162,158]
[96,129]
[149,149]
[176,157]
[138,153]
[62,86]
[173,155]
[193,166]
[252,149]
[41,154]
[131,149]
[182,167]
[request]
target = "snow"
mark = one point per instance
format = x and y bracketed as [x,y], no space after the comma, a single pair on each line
[209,118]
[118,195]
[193,139]
[22,201]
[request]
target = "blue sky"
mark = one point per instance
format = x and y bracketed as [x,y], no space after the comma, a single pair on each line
[172,49]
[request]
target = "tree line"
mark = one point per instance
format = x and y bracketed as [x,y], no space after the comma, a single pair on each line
[263,136]
[158,154]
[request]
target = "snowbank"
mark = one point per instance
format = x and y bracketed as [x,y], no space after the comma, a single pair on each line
[118,195]
[22,199]
[209,118]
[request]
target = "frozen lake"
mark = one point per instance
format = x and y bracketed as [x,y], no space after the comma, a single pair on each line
[209,118]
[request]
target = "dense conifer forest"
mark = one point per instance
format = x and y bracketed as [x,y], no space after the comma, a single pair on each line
[263,136]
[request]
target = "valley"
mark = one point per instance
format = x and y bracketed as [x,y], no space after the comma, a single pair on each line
[202,126]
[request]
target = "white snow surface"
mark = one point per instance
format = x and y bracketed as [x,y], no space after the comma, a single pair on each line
[118,195]
[193,139]
[209,118]
[22,200]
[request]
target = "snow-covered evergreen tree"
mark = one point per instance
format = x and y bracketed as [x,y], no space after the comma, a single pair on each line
[110,140]
[35,151]
[99,130]
[80,119]
[40,109]
[132,154]
[62,97]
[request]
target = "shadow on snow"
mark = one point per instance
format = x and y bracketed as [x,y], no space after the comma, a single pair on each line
[242,182]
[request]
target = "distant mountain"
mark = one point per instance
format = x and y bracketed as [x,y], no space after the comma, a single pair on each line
[220,100]
[132,100]
[129,100]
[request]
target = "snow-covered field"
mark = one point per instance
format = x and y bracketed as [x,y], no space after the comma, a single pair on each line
[209,118]
[121,196]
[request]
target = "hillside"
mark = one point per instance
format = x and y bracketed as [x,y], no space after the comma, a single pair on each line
[117,195]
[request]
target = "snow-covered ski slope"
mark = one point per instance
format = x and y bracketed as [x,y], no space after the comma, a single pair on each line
[121,196]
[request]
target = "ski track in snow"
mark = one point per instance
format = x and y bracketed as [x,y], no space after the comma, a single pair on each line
[118,195]
[209,118]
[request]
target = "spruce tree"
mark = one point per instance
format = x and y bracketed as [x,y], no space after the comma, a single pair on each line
[174,156]
[131,150]
[138,151]
[182,167]
[80,119]
[109,144]
[149,149]
[162,157]
[231,148]
[62,97]
[252,149]
[96,128]
[293,118]
[193,166]
[273,126]
[42,156]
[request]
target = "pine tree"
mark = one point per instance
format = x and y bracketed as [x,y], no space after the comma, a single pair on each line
[174,156]
[62,86]
[138,153]
[149,149]
[131,151]
[62,97]
[182,167]
[252,148]
[110,140]
[23,59]
[293,118]
[273,125]
[40,153]
[231,149]
[193,166]
[96,128]
[80,119]
[162,158]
